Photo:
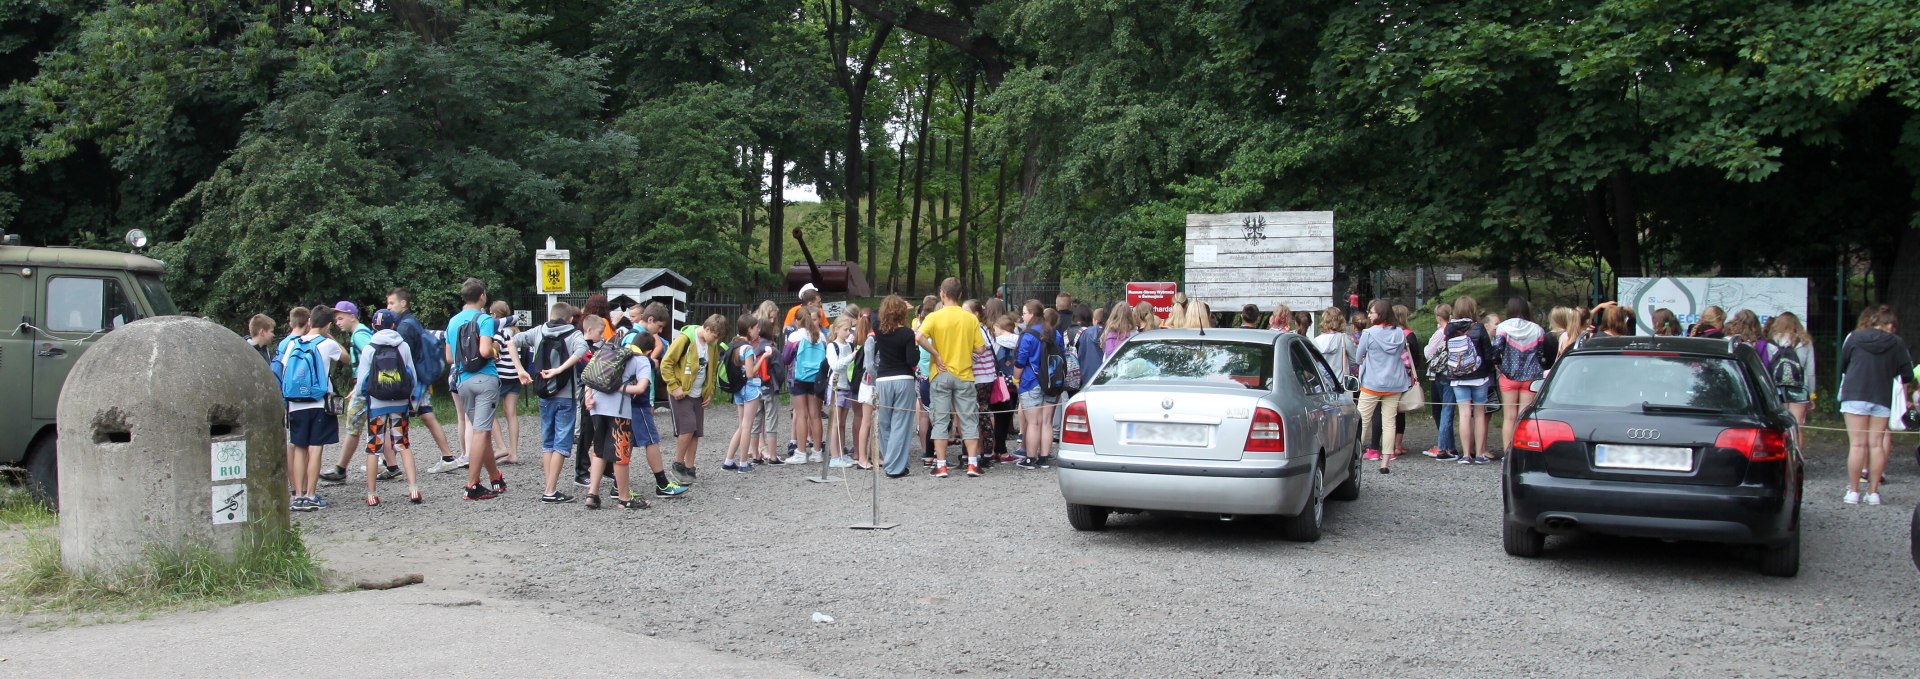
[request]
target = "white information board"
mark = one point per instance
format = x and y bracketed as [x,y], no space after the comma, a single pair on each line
[1260,258]
[1687,297]
[229,460]
[230,504]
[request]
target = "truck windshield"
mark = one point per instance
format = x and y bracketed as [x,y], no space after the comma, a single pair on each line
[157,296]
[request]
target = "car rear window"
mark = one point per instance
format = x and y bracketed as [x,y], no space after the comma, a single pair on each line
[1626,381]
[1240,363]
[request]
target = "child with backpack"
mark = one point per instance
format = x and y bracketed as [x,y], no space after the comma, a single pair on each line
[312,425]
[613,378]
[384,381]
[471,350]
[1790,361]
[346,319]
[592,328]
[1034,366]
[809,385]
[555,348]
[1466,359]
[646,345]
[1525,351]
[509,382]
[838,391]
[691,373]
[746,357]
[766,431]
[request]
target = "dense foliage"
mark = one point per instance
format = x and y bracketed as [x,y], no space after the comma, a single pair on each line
[291,151]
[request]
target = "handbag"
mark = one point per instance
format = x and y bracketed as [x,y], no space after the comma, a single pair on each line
[1413,398]
[1901,414]
[1000,392]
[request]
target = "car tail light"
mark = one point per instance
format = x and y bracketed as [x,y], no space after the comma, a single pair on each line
[1538,435]
[1266,436]
[1759,445]
[1074,427]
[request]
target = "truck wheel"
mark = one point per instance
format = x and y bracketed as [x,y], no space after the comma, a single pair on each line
[1088,518]
[1521,540]
[1782,560]
[43,473]
[1305,527]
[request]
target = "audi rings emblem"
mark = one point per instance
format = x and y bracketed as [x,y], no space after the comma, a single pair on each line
[1643,434]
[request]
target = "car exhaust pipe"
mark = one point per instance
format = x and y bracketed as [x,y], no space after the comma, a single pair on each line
[1561,523]
[1227,518]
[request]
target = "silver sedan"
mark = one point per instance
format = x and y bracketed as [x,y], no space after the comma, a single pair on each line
[1222,422]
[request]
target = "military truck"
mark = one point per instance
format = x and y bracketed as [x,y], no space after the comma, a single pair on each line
[55,302]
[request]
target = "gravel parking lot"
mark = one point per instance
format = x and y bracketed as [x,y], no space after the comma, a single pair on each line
[985,577]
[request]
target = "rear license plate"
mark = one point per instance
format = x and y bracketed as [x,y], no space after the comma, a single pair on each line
[1643,457]
[1156,434]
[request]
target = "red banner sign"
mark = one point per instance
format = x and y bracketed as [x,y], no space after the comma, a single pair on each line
[1160,295]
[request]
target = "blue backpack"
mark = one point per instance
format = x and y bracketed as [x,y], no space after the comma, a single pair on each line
[429,350]
[302,378]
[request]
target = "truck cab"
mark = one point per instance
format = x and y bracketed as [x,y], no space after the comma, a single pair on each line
[54,303]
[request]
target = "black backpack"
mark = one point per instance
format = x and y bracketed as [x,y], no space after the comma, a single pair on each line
[552,353]
[733,377]
[389,380]
[1783,364]
[467,347]
[1053,365]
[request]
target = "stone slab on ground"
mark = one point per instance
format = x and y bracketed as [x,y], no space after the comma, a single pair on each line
[408,632]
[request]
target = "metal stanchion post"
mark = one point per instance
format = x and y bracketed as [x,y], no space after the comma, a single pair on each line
[877,470]
[824,476]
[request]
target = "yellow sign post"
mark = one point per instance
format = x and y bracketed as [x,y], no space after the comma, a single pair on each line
[553,272]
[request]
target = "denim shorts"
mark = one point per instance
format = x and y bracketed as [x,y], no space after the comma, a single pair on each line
[1464,394]
[1035,397]
[1867,408]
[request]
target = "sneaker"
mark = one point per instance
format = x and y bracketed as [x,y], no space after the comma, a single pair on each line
[670,490]
[1884,479]
[413,495]
[480,492]
[300,505]
[1385,470]
[499,484]
[744,467]
[973,470]
[1009,458]
[1373,455]
[1434,453]
[318,502]
[940,471]
[334,476]
[796,458]
[445,466]
[691,474]
[582,481]
[636,502]
[1852,498]
[556,497]
[728,465]
[1464,459]
[1046,462]
[1026,463]
[1873,499]
[840,462]
[677,468]
[1445,455]
[792,446]
[1483,459]
[593,502]
[388,474]
[813,456]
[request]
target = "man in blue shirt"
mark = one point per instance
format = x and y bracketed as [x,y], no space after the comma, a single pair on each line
[478,382]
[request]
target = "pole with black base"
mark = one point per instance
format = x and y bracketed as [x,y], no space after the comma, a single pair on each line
[875,523]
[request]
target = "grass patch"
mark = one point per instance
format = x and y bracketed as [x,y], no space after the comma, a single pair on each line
[168,577]
[18,509]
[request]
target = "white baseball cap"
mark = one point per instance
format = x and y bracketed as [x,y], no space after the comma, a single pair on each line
[809,286]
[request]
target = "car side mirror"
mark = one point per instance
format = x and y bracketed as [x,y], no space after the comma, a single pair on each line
[1534,386]
[1351,383]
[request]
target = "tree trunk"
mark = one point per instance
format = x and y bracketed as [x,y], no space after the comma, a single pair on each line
[899,188]
[777,217]
[919,186]
[945,228]
[1018,273]
[873,217]
[969,257]
[1903,282]
[1626,224]
[999,227]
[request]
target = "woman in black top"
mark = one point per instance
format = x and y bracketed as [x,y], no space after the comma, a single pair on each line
[895,353]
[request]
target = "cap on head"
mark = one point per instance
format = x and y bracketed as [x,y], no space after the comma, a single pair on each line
[347,308]
[385,320]
[809,286]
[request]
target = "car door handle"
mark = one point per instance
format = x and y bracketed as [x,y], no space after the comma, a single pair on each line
[51,351]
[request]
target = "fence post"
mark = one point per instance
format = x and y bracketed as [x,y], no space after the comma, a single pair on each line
[1839,317]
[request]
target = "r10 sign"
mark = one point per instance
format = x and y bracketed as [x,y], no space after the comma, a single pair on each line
[229,460]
